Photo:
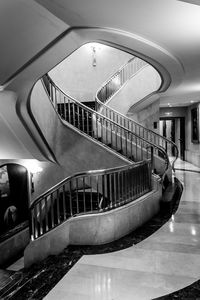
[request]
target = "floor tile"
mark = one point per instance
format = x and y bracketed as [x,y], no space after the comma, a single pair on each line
[166,261]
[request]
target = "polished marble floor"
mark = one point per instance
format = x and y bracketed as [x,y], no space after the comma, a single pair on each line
[166,261]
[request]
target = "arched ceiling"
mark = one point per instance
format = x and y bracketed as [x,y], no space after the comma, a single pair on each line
[169,26]
[25,29]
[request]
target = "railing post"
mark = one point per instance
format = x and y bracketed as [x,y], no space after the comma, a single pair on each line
[152,159]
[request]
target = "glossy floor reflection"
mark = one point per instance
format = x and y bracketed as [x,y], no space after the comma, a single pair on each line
[166,261]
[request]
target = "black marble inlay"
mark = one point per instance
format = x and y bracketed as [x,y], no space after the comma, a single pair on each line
[40,278]
[8,280]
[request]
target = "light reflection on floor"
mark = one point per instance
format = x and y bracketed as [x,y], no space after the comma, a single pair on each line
[165,262]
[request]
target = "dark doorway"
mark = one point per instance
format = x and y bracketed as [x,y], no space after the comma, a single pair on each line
[174,130]
[182,138]
[13,196]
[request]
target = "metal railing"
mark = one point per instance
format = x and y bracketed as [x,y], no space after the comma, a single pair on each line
[90,192]
[104,129]
[109,88]
[99,190]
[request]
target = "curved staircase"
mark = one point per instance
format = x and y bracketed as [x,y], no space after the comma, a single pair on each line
[108,90]
[98,191]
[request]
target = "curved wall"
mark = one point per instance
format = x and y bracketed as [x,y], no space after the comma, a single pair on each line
[13,133]
[146,81]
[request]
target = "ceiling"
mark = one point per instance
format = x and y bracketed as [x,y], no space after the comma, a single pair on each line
[170,29]
[25,29]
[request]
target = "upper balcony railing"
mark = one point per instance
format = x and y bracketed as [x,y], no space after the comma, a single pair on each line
[110,87]
[108,90]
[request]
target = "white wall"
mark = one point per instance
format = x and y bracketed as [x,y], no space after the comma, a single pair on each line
[148,116]
[77,76]
[12,131]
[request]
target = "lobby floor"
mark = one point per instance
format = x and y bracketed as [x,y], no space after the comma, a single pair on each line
[166,261]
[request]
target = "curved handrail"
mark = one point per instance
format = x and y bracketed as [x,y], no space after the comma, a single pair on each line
[100,120]
[97,190]
[124,120]
[80,175]
[89,193]
[118,79]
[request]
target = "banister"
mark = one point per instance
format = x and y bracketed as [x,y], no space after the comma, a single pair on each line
[103,104]
[147,130]
[87,193]
[106,118]
[82,174]
[134,62]
[94,113]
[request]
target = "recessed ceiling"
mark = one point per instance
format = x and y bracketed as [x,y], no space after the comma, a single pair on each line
[172,25]
[169,27]
[165,31]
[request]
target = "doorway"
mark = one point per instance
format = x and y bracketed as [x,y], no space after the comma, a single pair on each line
[174,130]
[13,196]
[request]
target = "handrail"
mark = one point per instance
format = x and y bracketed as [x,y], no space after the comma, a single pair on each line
[89,193]
[134,126]
[97,190]
[81,174]
[101,127]
[118,79]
